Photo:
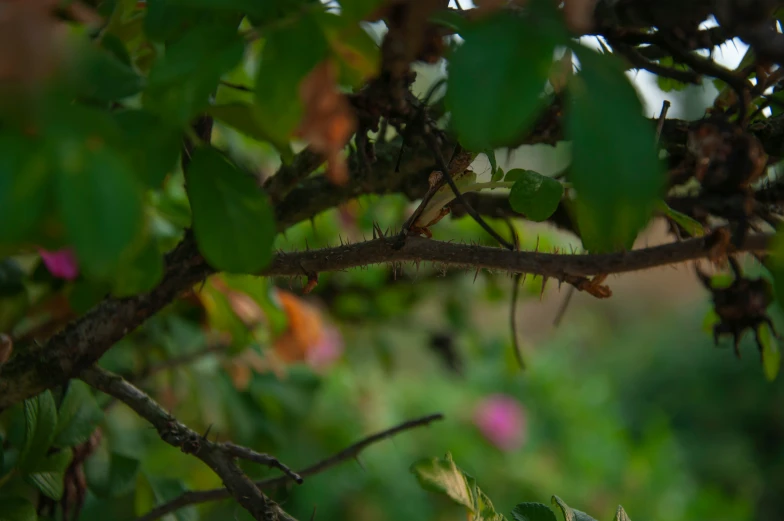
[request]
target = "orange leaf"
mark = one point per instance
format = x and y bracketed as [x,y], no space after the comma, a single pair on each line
[329,122]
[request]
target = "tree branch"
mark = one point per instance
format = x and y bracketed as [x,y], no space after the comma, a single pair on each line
[81,343]
[554,265]
[351,452]
[219,457]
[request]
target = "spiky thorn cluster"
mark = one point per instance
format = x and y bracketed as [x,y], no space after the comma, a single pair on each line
[741,305]
[726,161]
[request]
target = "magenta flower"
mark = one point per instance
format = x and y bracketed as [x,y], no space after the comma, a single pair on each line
[501,419]
[61,263]
[327,351]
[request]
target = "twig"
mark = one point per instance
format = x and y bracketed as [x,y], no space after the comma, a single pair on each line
[513,322]
[236,86]
[662,118]
[638,61]
[564,306]
[351,452]
[459,196]
[513,306]
[263,459]
[218,456]
[740,85]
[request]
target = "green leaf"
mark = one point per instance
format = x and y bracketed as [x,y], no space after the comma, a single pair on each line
[232,219]
[358,9]
[616,172]
[569,513]
[692,227]
[11,278]
[40,415]
[441,475]
[490,153]
[153,145]
[101,76]
[151,492]
[771,354]
[17,509]
[358,55]
[78,415]
[110,474]
[141,273]
[498,175]
[253,7]
[48,476]
[24,185]
[514,53]
[777,263]
[280,73]
[181,82]
[101,205]
[668,84]
[533,512]
[536,196]
[244,118]
[620,515]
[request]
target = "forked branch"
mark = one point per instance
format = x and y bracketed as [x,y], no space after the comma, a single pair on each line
[219,457]
[351,452]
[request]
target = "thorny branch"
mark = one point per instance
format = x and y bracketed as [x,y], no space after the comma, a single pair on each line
[572,269]
[297,196]
[351,452]
[220,457]
[85,340]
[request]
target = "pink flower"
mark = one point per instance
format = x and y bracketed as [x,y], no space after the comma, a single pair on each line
[327,351]
[501,420]
[61,263]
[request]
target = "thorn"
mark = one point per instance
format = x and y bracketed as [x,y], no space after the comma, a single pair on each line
[341,239]
[544,283]
[476,275]
[307,246]
[536,248]
[206,433]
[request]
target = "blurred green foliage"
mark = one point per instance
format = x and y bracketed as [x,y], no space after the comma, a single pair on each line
[96,186]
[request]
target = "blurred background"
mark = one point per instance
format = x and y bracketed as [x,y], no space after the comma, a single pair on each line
[626,400]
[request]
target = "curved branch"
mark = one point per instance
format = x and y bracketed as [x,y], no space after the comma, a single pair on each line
[351,452]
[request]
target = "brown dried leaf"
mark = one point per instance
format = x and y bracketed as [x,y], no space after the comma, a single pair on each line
[329,122]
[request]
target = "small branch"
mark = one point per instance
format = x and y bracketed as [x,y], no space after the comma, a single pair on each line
[638,61]
[351,452]
[263,459]
[459,196]
[218,456]
[662,119]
